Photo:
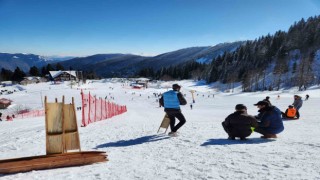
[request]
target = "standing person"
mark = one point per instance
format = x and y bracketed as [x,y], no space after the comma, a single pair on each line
[171,101]
[297,103]
[191,106]
[239,123]
[270,120]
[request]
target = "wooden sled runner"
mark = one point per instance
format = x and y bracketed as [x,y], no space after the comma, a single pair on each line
[62,139]
[165,123]
[26,164]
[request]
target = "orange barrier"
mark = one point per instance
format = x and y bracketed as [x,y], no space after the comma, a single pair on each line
[96,109]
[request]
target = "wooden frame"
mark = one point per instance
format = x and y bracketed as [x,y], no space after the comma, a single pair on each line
[165,123]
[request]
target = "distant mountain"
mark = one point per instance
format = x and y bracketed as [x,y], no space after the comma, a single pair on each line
[118,66]
[213,52]
[200,54]
[109,65]
[89,62]
[25,61]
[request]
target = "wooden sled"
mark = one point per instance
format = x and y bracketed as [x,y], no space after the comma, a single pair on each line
[165,123]
[26,164]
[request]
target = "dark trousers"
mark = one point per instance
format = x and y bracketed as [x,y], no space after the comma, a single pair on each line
[172,116]
[262,131]
[240,134]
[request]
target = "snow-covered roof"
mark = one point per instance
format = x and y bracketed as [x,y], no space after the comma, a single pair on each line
[142,79]
[32,78]
[57,73]
[5,101]
[6,82]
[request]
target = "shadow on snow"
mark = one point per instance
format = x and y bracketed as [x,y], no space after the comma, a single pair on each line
[231,142]
[132,142]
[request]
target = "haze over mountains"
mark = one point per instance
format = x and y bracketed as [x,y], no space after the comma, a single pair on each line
[107,65]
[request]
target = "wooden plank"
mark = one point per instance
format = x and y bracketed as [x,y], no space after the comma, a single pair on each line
[72,141]
[55,164]
[54,128]
[165,123]
[53,155]
[45,159]
[51,161]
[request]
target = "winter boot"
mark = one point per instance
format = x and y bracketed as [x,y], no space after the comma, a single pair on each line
[267,136]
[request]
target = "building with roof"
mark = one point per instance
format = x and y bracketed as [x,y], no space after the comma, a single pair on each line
[32,80]
[4,103]
[63,76]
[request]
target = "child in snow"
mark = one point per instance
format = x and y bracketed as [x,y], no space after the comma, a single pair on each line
[291,113]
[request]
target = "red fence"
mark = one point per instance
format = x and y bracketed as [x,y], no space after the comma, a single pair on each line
[34,113]
[96,109]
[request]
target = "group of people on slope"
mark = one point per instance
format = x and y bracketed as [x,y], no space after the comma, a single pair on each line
[268,122]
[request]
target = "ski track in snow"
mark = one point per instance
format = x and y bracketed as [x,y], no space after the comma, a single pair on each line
[201,150]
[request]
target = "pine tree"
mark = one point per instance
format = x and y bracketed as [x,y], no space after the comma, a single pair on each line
[18,75]
[34,71]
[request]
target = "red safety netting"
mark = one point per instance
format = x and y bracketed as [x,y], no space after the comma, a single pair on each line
[28,114]
[96,109]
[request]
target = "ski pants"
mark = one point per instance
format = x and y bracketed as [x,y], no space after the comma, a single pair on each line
[172,116]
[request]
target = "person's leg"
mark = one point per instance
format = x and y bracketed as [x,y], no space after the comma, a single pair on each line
[181,119]
[225,128]
[172,121]
[261,131]
[265,133]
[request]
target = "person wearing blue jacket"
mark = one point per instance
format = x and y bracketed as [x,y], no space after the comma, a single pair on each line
[171,101]
[269,120]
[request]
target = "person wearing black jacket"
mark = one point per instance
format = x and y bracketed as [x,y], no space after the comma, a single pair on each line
[171,101]
[239,123]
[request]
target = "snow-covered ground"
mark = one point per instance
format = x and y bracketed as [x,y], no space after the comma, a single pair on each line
[201,151]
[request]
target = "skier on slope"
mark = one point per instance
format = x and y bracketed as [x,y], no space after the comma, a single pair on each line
[171,101]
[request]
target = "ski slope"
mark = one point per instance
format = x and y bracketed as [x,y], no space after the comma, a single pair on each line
[201,151]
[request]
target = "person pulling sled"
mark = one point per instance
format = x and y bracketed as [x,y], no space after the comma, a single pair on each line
[171,101]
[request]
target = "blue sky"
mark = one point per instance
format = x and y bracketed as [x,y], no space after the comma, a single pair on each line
[143,27]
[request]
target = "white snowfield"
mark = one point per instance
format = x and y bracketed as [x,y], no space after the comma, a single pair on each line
[201,151]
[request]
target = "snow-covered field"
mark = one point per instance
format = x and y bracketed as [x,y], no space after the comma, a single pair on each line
[201,151]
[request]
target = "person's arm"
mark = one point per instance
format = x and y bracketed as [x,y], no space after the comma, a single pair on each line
[265,123]
[182,100]
[226,122]
[161,101]
[254,122]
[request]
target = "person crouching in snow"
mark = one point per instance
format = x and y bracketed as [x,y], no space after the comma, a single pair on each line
[171,101]
[270,120]
[239,124]
[291,113]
